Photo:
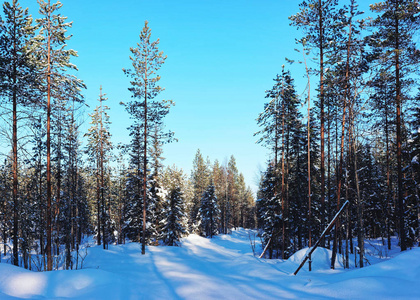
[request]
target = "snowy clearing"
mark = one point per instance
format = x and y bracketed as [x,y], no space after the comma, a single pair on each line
[219,268]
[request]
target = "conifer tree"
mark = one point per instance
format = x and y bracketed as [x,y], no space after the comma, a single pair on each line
[209,212]
[414,222]
[396,25]
[316,18]
[98,148]
[200,180]
[232,203]
[53,62]
[74,194]
[144,110]
[219,178]
[268,212]
[173,224]
[17,83]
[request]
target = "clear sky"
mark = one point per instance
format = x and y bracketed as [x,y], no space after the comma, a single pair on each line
[222,56]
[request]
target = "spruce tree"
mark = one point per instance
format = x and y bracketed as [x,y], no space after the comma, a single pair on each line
[232,211]
[200,177]
[268,213]
[173,223]
[209,212]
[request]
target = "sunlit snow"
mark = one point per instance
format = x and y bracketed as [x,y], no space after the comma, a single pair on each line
[220,268]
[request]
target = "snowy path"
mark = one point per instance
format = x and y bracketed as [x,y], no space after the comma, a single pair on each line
[220,268]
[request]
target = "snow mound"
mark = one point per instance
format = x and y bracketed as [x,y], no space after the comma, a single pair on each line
[321,259]
[21,283]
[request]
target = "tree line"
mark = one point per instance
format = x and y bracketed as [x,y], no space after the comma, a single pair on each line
[360,140]
[55,191]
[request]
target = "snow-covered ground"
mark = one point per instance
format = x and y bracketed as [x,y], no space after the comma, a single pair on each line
[219,268]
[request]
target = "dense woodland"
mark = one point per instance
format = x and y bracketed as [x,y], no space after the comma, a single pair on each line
[359,140]
[353,135]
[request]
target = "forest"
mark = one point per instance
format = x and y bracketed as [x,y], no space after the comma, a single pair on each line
[353,135]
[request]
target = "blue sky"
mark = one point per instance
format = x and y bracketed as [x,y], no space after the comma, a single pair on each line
[222,56]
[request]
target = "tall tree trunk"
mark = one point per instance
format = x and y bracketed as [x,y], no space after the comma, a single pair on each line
[399,142]
[282,174]
[143,238]
[324,209]
[343,123]
[360,235]
[15,155]
[309,157]
[98,201]
[321,99]
[49,187]
[58,197]
[101,166]
[388,181]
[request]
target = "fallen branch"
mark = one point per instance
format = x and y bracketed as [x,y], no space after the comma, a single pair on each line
[322,236]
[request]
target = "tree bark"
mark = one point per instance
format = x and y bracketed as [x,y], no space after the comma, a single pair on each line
[399,142]
[15,154]
[49,187]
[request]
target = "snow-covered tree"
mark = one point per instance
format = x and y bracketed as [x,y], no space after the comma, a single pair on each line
[268,212]
[174,222]
[209,212]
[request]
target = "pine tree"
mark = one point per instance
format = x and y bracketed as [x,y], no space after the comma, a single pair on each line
[396,25]
[98,148]
[53,60]
[146,112]
[316,18]
[17,75]
[382,100]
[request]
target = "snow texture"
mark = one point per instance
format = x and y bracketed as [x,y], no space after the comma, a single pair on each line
[219,268]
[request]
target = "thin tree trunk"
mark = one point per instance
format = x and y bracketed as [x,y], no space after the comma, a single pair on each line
[15,155]
[360,236]
[399,142]
[321,99]
[347,265]
[49,187]
[346,99]
[324,209]
[309,158]
[282,173]
[143,239]
[388,181]
[98,201]
[101,166]
[58,202]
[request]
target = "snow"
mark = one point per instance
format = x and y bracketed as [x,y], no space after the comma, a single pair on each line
[220,268]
